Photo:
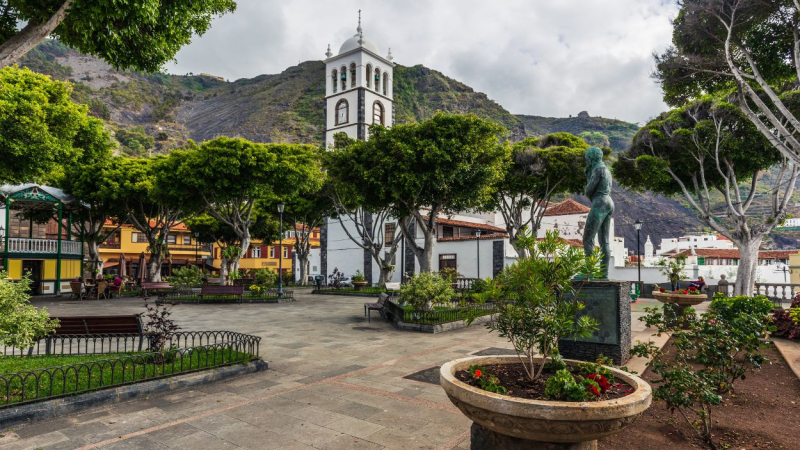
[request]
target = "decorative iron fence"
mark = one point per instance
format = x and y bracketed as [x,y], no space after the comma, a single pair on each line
[193,296]
[187,352]
[438,316]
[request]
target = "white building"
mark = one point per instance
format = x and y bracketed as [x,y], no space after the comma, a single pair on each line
[704,240]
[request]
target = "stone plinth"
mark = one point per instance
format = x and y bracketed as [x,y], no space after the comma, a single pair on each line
[609,303]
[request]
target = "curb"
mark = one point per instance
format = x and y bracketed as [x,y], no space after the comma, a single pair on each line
[68,405]
[790,351]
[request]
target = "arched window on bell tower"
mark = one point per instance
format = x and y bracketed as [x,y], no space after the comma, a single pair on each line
[342,112]
[385,84]
[334,75]
[344,78]
[352,75]
[369,75]
[377,80]
[378,113]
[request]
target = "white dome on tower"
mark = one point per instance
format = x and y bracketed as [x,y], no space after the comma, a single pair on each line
[358,41]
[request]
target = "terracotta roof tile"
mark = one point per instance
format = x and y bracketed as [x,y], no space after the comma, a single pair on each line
[465,224]
[733,253]
[566,208]
[473,238]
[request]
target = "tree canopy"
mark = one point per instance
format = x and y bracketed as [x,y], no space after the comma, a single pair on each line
[138,34]
[41,128]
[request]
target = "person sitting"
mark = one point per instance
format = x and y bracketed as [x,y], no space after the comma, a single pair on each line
[115,286]
[699,284]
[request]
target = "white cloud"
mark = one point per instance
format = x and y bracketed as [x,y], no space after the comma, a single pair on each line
[551,58]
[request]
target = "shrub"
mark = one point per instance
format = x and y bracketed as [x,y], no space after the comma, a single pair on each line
[479,286]
[159,327]
[21,324]
[359,277]
[486,381]
[537,300]
[186,277]
[450,274]
[787,326]
[426,287]
[711,354]
[265,278]
[563,386]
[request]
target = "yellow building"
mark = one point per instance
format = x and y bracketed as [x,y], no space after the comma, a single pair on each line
[275,255]
[49,253]
[794,268]
[184,250]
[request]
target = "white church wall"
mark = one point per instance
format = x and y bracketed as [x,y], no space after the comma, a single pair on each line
[467,262]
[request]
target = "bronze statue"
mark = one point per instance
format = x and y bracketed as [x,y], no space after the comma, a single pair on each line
[598,189]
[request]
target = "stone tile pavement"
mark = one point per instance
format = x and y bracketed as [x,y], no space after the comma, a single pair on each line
[335,382]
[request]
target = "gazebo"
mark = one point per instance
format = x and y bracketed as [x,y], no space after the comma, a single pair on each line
[49,255]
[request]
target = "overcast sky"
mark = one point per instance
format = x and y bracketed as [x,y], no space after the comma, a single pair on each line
[541,57]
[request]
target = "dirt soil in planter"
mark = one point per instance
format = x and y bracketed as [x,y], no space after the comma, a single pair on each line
[764,413]
[514,378]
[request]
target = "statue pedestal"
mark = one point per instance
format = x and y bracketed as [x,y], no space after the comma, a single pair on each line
[608,302]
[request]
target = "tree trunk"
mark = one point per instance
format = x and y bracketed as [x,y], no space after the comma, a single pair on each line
[154,267]
[30,36]
[425,258]
[94,255]
[748,265]
[303,262]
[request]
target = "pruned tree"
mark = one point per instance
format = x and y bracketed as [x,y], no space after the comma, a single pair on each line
[306,212]
[229,176]
[748,47]
[445,163]
[140,34]
[711,154]
[535,170]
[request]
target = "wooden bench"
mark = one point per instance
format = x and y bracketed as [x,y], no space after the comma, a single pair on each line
[161,286]
[236,291]
[83,325]
[377,306]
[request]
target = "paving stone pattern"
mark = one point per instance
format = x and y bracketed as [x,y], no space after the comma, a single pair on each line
[335,382]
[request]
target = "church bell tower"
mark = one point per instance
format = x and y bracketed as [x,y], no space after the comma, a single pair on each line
[358,88]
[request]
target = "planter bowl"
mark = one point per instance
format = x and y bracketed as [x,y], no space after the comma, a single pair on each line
[359,285]
[680,299]
[543,421]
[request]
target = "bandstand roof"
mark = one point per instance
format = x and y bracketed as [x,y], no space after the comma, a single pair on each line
[35,196]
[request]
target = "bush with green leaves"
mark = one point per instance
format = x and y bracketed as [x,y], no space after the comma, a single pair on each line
[265,278]
[537,298]
[708,357]
[564,386]
[186,277]
[673,269]
[359,277]
[21,324]
[426,288]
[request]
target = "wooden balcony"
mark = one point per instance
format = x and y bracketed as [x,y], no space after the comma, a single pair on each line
[27,246]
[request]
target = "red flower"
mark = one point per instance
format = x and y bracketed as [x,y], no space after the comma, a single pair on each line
[684,292]
[592,389]
[692,288]
[713,321]
[661,290]
[478,373]
[600,380]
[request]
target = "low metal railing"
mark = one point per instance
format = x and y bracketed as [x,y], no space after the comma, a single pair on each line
[438,316]
[187,352]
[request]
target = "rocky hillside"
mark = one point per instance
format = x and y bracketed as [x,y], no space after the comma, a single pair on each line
[153,113]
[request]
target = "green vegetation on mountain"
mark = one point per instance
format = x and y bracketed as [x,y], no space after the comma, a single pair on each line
[594,130]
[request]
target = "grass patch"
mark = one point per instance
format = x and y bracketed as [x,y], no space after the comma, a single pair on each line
[442,314]
[65,375]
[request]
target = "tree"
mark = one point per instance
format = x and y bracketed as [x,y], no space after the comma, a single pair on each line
[140,34]
[537,169]
[707,151]
[307,211]
[446,163]
[151,205]
[748,47]
[39,125]
[92,180]
[229,176]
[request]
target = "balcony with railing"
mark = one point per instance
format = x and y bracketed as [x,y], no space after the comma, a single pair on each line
[39,246]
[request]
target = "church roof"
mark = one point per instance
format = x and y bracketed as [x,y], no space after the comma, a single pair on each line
[358,40]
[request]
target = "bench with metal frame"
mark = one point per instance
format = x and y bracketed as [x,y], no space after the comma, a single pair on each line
[377,306]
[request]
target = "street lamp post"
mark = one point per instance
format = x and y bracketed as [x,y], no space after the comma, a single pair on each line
[478,240]
[196,247]
[280,251]
[638,226]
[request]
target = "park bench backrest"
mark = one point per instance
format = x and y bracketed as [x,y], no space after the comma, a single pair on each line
[159,285]
[221,290]
[382,299]
[125,324]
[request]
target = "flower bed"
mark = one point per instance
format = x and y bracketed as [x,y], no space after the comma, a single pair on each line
[28,379]
[439,314]
[248,297]
[372,291]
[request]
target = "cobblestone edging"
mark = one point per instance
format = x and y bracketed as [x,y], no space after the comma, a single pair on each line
[449,326]
[17,415]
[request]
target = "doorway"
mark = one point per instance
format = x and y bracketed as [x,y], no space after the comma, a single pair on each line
[34,268]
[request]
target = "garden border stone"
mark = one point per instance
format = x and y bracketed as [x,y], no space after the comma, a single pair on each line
[17,415]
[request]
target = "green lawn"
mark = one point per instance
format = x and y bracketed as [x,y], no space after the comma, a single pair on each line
[75,374]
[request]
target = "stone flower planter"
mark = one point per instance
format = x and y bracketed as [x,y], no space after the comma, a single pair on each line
[502,421]
[359,285]
[677,303]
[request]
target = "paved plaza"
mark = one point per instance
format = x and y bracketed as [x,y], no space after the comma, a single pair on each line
[335,381]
